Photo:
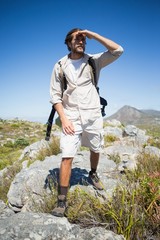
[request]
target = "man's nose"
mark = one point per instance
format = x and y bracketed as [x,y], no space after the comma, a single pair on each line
[82,41]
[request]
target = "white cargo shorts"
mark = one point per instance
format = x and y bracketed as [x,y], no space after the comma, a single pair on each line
[88,135]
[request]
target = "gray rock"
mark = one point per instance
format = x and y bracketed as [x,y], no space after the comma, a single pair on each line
[28,185]
[152,151]
[130,130]
[113,123]
[32,150]
[135,136]
[32,226]
[113,131]
[5,211]
[121,150]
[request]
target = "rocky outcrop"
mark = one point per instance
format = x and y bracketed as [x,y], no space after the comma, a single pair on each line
[41,226]
[19,220]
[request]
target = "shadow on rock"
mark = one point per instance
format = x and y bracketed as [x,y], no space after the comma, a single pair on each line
[78,176]
[52,179]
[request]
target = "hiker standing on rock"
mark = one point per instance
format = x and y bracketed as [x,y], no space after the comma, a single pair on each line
[78,105]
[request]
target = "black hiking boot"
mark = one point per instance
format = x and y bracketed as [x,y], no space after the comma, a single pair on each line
[61,207]
[96,181]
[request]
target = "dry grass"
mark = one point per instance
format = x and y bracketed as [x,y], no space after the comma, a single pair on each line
[134,211]
[7,179]
[109,139]
[52,149]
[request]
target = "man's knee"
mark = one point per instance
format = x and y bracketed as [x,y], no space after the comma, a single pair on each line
[66,161]
[94,153]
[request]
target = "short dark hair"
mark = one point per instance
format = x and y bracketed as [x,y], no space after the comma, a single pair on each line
[69,36]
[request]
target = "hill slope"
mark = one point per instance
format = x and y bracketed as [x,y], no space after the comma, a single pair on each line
[131,115]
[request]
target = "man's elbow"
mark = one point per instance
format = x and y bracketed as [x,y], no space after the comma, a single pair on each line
[118,52]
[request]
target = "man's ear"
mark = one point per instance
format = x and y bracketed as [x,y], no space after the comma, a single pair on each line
[69,44]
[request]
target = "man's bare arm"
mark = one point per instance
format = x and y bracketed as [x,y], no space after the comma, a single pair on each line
[109,44]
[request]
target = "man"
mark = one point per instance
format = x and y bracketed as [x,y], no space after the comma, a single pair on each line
[78,105]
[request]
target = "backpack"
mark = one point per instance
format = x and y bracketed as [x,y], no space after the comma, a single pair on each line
[103,101]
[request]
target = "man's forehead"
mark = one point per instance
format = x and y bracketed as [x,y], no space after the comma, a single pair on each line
[74,33]
[78,36]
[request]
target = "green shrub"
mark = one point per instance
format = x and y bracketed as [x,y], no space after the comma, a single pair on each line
[9,144]
[15,125]
[21,142]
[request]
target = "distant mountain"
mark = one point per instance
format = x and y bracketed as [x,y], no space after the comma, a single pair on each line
[152,112]
[131,115]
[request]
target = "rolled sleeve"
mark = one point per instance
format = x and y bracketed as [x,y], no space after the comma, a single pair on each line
[105,58]
[118,51]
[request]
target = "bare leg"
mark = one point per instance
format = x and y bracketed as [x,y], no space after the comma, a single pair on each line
[65,172]
[64,179]
[94,160]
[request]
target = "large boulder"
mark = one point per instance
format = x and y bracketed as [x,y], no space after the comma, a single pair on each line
[29,184]
[41,226]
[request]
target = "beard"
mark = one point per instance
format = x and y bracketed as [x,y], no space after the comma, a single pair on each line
[78,49]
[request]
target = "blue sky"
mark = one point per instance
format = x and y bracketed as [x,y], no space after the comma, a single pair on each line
[32,36]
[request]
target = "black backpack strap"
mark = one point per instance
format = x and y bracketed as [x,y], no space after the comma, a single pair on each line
[103,101]
[93,70]
[52,113]
[49,123]
[63,77]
